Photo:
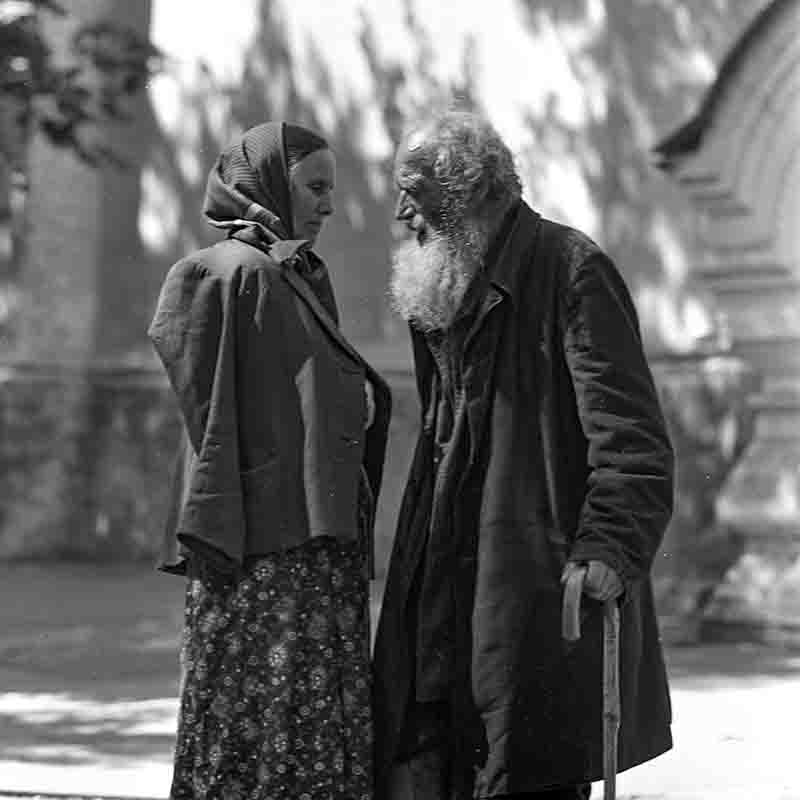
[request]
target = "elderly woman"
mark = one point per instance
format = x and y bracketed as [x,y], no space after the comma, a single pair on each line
[285,431]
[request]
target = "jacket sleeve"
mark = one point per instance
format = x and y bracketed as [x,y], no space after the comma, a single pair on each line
[194,332]
[629,496]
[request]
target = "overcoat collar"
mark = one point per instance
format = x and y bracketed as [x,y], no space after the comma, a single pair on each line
[290,254]
[518,236]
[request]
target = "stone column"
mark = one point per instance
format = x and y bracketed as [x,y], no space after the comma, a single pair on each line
[739,160]
[760,595]
[86,426]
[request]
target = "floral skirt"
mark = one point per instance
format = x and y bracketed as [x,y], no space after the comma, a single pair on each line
[276,695]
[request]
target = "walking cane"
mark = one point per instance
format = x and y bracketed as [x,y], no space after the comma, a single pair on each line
[571,631]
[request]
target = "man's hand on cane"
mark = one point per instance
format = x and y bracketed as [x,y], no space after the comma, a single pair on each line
[601,582]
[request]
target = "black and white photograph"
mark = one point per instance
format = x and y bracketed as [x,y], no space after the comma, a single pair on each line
[399,399]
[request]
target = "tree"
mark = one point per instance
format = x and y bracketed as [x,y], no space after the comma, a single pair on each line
[644,67]
[108,63]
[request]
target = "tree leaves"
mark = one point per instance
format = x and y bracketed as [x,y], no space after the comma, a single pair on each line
[108,64]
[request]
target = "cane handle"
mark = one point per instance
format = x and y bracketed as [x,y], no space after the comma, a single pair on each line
[571,614]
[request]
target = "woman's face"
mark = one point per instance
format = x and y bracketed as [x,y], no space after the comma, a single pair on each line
[311,184]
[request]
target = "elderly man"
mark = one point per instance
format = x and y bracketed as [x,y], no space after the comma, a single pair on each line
[542,447]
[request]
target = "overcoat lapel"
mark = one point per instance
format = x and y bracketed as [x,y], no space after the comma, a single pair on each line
[483,341]
[306,294]
[478,360]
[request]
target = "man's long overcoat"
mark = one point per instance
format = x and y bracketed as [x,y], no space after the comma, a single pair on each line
[569,458]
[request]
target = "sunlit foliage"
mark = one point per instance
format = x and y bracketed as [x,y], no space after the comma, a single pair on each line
[107,64]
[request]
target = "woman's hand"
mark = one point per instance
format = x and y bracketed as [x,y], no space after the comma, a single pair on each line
[370,395]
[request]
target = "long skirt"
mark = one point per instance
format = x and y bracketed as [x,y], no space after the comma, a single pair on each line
[276,694]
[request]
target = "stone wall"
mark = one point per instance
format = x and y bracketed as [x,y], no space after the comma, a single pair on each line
[85,460]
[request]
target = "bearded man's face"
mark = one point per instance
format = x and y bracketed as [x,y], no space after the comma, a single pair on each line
[432,272]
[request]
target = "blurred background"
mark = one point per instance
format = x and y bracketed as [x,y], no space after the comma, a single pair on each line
[667,130]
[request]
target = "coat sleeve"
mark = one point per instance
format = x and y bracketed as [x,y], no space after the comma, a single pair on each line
[629,496]
[194,332]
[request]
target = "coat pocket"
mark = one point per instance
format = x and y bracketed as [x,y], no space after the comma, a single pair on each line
[256,476]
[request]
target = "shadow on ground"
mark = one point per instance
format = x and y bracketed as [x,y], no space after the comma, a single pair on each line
[62,729]
[89,672]
[723,665]
[88,663]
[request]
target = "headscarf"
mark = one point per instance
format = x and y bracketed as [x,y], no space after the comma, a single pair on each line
[249,183]
[248,194]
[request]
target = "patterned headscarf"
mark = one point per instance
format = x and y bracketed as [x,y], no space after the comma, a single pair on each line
[248,195]
[250,180]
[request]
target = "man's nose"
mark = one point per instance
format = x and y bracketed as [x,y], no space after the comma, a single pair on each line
[404,209]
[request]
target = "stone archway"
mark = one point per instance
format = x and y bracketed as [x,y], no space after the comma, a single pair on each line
[739,161]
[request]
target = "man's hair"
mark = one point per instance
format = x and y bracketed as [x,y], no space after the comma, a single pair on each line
[463,153]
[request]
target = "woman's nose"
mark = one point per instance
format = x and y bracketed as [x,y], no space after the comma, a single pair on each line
[325,206]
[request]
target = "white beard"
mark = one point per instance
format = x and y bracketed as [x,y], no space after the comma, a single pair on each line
[429,280]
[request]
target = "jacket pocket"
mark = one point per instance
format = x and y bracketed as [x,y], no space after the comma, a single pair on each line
[255,476]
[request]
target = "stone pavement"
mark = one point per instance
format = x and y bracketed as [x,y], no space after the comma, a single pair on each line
[88,681]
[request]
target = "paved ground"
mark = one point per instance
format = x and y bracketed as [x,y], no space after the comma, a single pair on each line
[88,684]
